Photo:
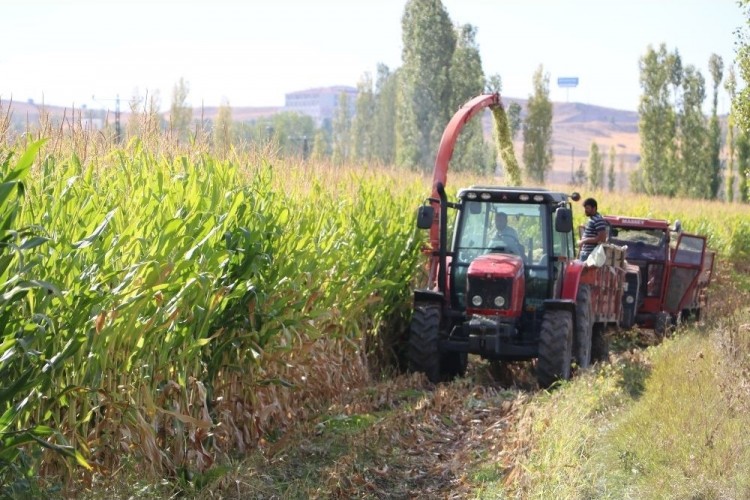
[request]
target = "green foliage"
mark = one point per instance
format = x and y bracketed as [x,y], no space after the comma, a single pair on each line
[141,275]
[363,133]
[514,119]
[467,81]
[743,164]
[696,178]
[494,84]
[342,131]
[31,358]
[596,167]
[180,112]
[285,132]
[424,82]
[537,130]
[223,134]
[611,178]
[741,102]
[716,67]
[730,85]
[658,122]
[384,128]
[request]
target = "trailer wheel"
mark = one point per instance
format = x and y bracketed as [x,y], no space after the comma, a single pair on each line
[599,343]
[662,324]
[555,347]
[582,341]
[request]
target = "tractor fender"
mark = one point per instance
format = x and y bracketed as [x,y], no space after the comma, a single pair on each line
[558,304]
[424,296]
[571,280]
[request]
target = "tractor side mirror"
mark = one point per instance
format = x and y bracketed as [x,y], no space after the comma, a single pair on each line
[563,220]
[425,216]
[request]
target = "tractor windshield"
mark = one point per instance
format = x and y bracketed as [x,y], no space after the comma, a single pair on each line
[642,243]
[510,228]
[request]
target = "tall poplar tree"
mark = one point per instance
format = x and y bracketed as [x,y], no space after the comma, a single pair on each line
[363,120]
[596,167]
[428,45]
[384,127]
[657,126]
[730,85]
[223,129]
[716,67]
[695,175]
[467,80]
[180,112]
[537,129]
[741,102]
[514,119]
[342,129]
[611,181]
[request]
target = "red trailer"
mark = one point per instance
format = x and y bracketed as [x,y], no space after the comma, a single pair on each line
[676,269]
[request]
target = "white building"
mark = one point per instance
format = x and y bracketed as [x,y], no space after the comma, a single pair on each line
[321,103]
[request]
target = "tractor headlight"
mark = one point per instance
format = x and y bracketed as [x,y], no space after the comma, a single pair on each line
[499,301]
[476,300]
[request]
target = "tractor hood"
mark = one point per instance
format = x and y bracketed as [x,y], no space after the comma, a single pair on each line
[497,265]
[496,285]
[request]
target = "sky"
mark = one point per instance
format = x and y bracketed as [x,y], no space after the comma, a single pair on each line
[251,53]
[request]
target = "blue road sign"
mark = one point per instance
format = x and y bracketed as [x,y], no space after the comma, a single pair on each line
[567,81]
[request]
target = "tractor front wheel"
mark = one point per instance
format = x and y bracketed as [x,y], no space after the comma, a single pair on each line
[555,347]
[423,342]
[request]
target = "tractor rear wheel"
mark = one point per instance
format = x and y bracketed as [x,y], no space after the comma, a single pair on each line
[555,347]
[582,341]
[423,342]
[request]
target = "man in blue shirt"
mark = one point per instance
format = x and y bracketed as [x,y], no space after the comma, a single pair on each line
[595,230]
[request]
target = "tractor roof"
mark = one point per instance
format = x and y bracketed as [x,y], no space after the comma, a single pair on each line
[513,194]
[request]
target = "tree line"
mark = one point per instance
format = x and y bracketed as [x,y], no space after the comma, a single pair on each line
[400,115]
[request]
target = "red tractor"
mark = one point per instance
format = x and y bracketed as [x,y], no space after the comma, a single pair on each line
[676,268]
[508,295]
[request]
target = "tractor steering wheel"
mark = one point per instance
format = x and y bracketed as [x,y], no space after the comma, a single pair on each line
[505,243]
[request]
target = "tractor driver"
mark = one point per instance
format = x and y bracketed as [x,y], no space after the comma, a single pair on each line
[506,236]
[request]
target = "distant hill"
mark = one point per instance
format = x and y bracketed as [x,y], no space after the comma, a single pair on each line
[575,127]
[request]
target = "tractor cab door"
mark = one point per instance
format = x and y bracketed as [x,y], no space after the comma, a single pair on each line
[686,266]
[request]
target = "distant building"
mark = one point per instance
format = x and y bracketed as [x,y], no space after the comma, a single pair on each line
[321,103]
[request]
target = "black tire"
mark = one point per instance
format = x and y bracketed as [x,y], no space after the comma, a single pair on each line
[423,342]
[555,347]
[501,372]
[630,301]
[453,364]
[599,344]
[662,324]
[582,340]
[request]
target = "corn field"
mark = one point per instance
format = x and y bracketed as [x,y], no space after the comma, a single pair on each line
[178,310]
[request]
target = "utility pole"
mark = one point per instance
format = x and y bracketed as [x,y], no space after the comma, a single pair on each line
[118,128]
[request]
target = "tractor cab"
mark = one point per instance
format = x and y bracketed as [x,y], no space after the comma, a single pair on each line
[504,236]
